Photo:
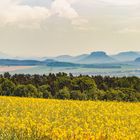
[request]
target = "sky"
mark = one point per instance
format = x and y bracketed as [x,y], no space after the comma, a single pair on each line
[57,27]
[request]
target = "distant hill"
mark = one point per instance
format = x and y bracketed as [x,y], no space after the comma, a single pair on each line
[48,62]
[63,58]
[53,63]
[126,56]
[97,57]
[5,56]
[79,57]
[14,62]
[137,59]
[68,58]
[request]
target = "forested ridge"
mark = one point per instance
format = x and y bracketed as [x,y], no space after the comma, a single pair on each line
[67,86]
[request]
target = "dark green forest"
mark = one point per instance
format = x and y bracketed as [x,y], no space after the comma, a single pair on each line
[67,86]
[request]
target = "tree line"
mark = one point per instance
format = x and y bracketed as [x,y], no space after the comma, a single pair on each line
[67,86]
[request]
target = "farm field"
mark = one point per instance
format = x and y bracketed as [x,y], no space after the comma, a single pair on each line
[13,68]
[124,71]
[41,119]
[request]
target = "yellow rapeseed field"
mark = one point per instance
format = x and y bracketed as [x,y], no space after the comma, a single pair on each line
[41,119]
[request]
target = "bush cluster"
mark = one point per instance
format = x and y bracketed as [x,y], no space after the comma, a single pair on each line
[64,86]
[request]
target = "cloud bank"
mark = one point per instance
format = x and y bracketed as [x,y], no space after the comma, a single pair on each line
[13,12]
[121,2]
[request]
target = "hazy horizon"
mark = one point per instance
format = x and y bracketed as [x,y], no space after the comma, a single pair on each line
[49,56]
[68,27]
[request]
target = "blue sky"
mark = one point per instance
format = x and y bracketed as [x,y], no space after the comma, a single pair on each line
[55,27]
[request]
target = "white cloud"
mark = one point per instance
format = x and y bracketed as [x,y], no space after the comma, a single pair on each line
[63,8]
[128,30]
[121,2]
[12,12]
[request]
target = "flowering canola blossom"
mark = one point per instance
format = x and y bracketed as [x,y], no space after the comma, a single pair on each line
[41,119]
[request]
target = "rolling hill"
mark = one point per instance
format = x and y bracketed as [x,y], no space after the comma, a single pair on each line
[126,56]
[137,59]
[97,57]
